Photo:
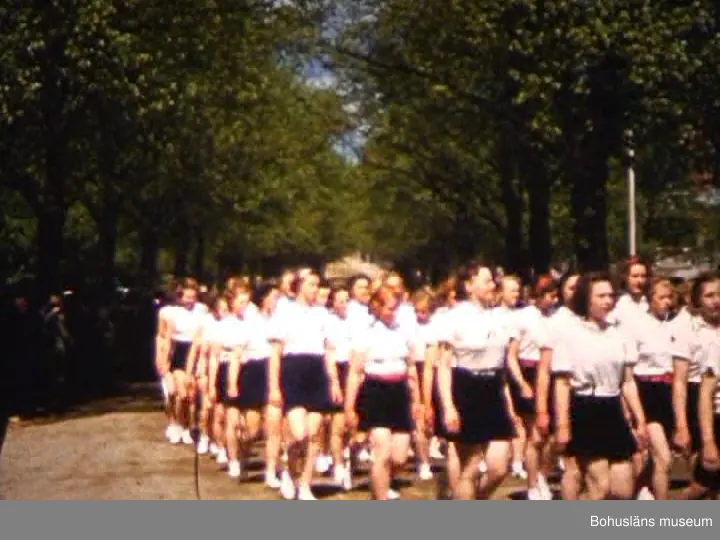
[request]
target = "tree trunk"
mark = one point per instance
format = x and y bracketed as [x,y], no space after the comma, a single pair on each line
[538,185]
[513,208]
[199,256]
[182,251]
[149,252]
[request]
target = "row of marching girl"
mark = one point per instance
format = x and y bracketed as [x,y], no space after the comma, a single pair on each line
[633,377]
[671,345]
[180,323]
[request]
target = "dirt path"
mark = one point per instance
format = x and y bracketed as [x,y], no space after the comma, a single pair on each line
[115,450]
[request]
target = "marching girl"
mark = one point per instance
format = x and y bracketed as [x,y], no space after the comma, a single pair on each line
[594,363]
[507,307]
[635,275]
[707,470]
[383,378]
[324,461]
[252,386]
[339,345]
[475,401]
[183,326]
[232,351]
[694,337]
[162,341]
[652,337]
[405,312]
[200,353]
[545,387]
[424,348]
[357,312]
[523,359]
[303,380]
[216,379]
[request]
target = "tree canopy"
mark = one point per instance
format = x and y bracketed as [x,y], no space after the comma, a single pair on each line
[142,137]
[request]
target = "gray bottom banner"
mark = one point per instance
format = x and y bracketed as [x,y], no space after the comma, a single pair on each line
[256,520]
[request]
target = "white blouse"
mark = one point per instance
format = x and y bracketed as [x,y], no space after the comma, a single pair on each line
[691,336]
[302,329]
[654,344]
[594,357]
[626,309]
[186,322]
[340,336]
[386,349]
[711,362]
[533,331]
[259,326]
[231,333]
[478,337]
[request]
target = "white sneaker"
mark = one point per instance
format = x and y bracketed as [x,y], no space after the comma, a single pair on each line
[435,450]
[392,495]
[271,480]
[518,471]
[234,469]
[169,431]
[175,436]
[544,488]
[482,467]
[425,472]
[305,494]
[203,445]
[222,457]
[323,464]
[186,438]
[214,449]
[363,455]
[288,490]
[645,495]
[534,494]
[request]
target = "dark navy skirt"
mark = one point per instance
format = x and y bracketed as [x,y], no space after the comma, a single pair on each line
[384,404]
[480,401]
[180,351]
[708,479]
[523,406]
[304,383]
[599,430]
[656,399]
[221,383]
[252,385]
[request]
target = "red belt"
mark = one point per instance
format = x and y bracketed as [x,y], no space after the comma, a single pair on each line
[665,378]
[528,363]
[389,378]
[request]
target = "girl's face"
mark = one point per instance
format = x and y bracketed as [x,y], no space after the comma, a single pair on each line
[240,303]
[422,312]
[322,296]
[222,308]
[361,291]
[661,300]
[269,302]
[482,286]
[602,299]
[637,278]
[510,293]
[387,312]
[340,303]
[547,301]
[710,302]
[309,289]
[188,298]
